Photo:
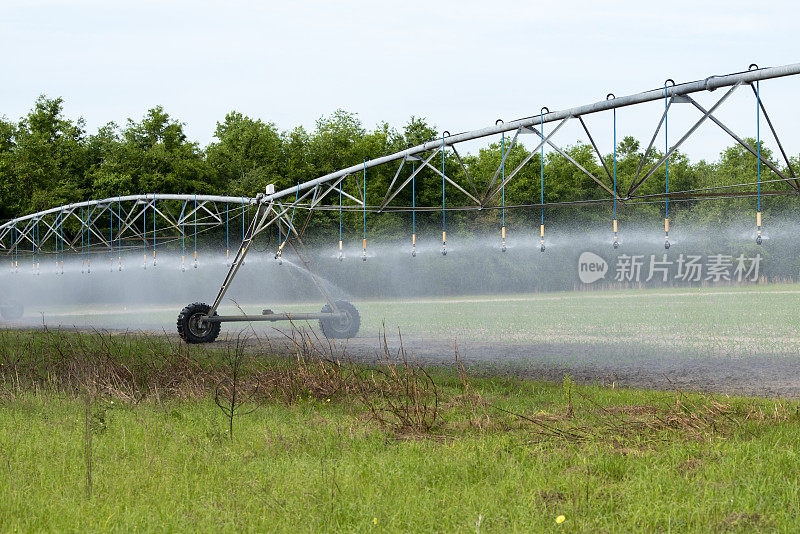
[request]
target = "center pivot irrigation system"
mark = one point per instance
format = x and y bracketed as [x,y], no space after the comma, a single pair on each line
[178,217]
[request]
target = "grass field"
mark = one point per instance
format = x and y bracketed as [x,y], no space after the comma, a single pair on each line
[623,324]
[381,448]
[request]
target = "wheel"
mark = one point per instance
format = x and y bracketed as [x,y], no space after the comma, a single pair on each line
[340,328]
[11,310]
[191,329]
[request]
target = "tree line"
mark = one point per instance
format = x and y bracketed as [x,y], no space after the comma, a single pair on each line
[47,159]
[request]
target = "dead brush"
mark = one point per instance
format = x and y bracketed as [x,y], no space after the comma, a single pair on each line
[697,417]
[319,370]
[126,367]
[402,396]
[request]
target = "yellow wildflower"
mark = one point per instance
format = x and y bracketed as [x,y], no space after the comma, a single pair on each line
[560,519]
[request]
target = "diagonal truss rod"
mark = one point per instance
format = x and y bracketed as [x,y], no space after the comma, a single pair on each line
[706,114]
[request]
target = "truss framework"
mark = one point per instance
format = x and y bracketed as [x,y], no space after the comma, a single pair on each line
[173,214]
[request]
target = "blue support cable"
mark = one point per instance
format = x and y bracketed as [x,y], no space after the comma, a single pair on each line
[364,211]
[364,205]
[616,243]
[341,253]
[503,165]
[615,163]
[413,199]
[119,233]
[758,141]
[758,156]
[88,243]
[183,238]
[195,231]
[444,227]
[666,151]
[83,252]
[111,240]
[60,238]
[541,164]
[55,235]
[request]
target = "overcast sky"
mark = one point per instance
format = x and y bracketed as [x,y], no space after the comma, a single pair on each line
[460,64]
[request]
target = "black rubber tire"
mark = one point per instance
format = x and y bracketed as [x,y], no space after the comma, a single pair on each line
[335,328]
[11,310]
[189,328]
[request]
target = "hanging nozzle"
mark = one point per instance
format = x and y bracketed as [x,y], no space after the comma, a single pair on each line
[666,234]
[503,239]
[616,243]
[444,243]
[341,254]
[541,238]
[413,245]
[195,259]
[364,253]
[758,225]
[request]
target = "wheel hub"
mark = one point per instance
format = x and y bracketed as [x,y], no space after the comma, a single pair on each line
[198,326]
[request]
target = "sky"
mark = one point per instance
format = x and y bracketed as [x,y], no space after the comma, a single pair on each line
[459,64]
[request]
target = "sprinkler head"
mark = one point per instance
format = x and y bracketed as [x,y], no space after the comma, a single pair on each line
[541,247]
[364,256]
[195,264]
[666,244]
[341,257]
[616,244]
[413,252]
[758,240]
[503,246]
[444,251]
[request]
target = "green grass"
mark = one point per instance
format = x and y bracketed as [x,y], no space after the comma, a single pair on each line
[598,456]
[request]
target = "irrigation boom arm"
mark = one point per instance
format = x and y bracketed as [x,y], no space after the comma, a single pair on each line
[708,84]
